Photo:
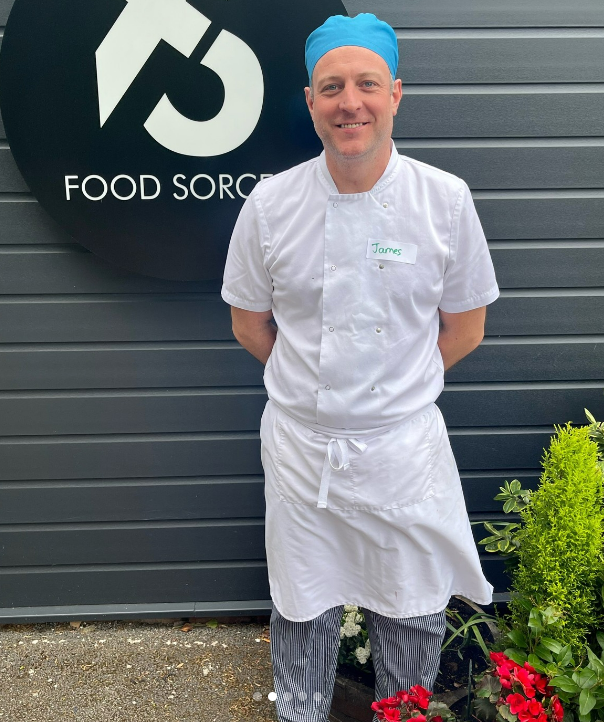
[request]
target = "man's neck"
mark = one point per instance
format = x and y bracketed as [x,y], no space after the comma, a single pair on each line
[357,175]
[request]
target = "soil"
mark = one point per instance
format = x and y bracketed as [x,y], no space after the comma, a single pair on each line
[454,664]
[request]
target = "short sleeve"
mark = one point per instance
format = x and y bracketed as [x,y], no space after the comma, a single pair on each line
[246,282]
[469,280]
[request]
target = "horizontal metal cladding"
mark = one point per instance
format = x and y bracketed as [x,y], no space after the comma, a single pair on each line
[130,469]
[163,583]
[59,413]
[472,111]
[116,456]
[492,164]
[141,542]
[504,215]
[129,583]
[52,269]
[465,13]
[172,499]
[206,364]
[483,13]
[205,317]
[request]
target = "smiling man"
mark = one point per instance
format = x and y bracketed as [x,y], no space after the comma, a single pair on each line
[376,271]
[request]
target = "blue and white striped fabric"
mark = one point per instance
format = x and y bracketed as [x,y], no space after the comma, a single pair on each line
[304,655]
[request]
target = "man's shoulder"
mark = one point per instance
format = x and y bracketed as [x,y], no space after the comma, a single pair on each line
[432,173]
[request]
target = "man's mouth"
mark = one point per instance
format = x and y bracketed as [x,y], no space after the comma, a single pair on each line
[351,125]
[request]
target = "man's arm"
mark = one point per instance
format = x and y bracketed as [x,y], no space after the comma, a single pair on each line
[254,331]
[460,333]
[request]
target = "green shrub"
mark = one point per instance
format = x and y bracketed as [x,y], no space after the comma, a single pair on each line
[560,550]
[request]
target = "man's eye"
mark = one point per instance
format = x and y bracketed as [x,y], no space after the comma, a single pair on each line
[368,83]
[333,86]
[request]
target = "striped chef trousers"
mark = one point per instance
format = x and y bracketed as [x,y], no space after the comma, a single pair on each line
[304,655]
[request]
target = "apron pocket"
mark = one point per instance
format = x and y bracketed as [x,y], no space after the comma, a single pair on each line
[397,469]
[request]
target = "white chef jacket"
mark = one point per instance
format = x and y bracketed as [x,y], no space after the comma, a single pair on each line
[357,461]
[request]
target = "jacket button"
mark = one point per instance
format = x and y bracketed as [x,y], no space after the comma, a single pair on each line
[381,265]
[331,328]
[378,330]
[335,205]
[328,387]
[385,205]
[373,388]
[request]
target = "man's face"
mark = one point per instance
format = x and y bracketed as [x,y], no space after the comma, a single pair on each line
[353,108]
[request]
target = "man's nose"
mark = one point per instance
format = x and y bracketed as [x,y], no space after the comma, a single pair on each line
[350,100]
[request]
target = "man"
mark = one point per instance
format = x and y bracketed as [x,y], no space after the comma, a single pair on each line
[376,270]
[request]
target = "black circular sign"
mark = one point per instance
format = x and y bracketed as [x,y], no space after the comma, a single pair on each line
[141,125]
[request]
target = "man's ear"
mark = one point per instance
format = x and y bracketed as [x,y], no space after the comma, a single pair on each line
[397,94]
[309,101]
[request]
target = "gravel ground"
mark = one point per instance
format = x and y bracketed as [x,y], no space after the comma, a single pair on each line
[136,671]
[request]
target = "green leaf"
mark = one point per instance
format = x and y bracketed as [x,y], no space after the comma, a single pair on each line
[586,678]
[503,545]
[509,505]
[516,654]
[542,651]
[485,710]
[536,620]
[494,547]
[518,638]
[565,683]
[565,656]
[600,638]
[551,644]
[213,623]
[587,702]
[535,662]
[515,486]
[595,663]
[504,711]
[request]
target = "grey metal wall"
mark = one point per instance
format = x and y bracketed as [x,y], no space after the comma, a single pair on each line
[130,478]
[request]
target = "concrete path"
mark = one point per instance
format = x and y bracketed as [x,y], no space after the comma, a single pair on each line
[136,671]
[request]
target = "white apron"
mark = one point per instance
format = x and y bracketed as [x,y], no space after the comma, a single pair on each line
[370,517]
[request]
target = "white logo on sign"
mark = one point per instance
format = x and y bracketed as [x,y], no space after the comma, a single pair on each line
[142,25]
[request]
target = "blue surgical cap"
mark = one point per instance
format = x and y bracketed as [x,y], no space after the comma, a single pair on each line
[364,30]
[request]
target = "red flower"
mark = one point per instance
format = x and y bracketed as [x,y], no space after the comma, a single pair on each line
[392,715]
[503,672]
[526,680]
[529,668]
[505,683]
[535,707]
[541,683]
[403,696]
[517,703]
[438,718]
[499,658]
[419,718]
[420,695]
[557,708]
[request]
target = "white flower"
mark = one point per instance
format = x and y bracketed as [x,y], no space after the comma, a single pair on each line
[361,654]
[341,632]
[350,608]
[368,645]
[351,629]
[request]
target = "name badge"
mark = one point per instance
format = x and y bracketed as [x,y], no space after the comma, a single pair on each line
[391,251]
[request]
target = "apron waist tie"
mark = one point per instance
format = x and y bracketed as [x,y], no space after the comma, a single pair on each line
[336,458]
